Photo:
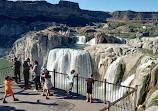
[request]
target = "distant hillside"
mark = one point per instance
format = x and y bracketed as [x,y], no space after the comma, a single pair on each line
[64,12]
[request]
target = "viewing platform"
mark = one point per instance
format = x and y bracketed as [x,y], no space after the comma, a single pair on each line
[106,96]
[34,101]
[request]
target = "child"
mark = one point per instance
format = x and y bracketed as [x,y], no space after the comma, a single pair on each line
[8,89]
[42,78]
[90,82]
[70,77]
[47,84]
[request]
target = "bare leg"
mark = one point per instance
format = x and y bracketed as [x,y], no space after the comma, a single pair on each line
[90,97]
[47,94]
[5,97]
[44,90]
[49,91]
[87,96]
[13,96]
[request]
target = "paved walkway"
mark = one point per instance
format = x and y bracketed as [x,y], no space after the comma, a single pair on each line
[34,101]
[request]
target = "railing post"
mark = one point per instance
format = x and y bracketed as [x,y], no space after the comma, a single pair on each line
[77,84]
[135,98]
[54,78]
[105,91]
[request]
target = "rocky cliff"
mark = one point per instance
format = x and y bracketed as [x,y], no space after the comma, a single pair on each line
[132,15]
[149,43]
[36,46]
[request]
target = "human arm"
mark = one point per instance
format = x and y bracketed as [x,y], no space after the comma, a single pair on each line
[33,69]
[42,75]
[93,81]
[25,65]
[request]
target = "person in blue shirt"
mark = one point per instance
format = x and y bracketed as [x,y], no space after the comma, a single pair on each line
[70,77]
[26,67]
[36,75]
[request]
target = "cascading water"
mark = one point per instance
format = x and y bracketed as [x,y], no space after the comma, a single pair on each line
[111,71]
[110,77]
[91,42]
[64,60]
[81,39]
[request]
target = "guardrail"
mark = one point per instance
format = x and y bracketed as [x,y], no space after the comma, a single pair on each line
[117,96]
[6,71]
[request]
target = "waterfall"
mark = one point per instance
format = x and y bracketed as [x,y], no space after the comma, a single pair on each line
[64,60]
[110,77]
[91,42]
[128,80]
[81,39]
[112,69]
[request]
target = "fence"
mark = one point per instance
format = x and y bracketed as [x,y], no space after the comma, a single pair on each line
[118,97]
[6,71]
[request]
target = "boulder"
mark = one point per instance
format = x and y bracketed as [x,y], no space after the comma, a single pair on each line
[103,38]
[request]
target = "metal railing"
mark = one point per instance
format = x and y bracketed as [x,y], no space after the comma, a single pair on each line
[122,98]
[5,71]
[118,97]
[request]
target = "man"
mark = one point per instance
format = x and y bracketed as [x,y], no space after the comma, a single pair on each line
[70,77]
[16,67]
[26,68]
[90,82]
[37,72]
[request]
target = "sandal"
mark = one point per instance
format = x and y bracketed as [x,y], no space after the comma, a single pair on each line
[47,98]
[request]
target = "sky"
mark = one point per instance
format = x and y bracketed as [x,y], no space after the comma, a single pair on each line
[114,5]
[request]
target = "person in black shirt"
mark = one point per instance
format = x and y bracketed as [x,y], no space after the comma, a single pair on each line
[90,82]
[16,67]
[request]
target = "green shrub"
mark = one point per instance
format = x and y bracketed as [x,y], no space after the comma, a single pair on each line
[100,26]
[133,36]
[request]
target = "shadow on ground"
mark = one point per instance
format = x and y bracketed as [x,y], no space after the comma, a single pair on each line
[9,108]
[62,94]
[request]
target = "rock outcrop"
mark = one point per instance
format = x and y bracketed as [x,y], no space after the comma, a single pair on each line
[148,43]
[104,54]
[103,38]
[36,46]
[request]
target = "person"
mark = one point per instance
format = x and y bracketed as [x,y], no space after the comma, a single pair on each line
[47,84]
[26,67]
[37,72]
[70,77]
[8,89]
[16,67]
[42,78]
[90,82]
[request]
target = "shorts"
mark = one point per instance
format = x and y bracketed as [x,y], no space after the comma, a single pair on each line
[89,90]
[70,86]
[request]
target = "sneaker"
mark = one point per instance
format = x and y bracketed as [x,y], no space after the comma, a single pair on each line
[35,90]
[16,99]
[86,100]
[91,102]
[5,102]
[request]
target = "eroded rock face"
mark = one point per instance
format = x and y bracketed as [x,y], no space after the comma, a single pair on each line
[103,38]
[36,46]
[153,108]
[145,43]
[104,54]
